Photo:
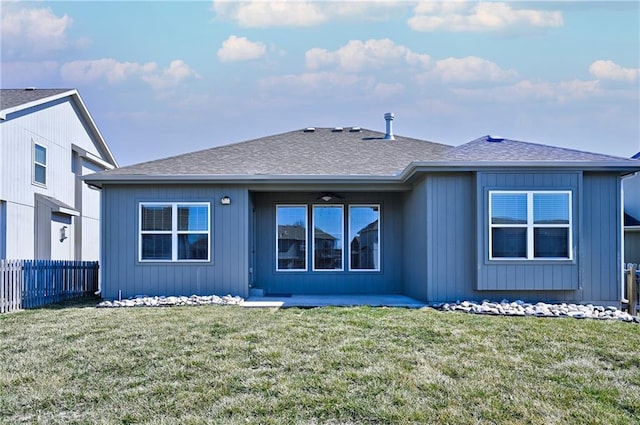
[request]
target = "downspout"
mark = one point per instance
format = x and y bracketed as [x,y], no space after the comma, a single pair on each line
[622,281]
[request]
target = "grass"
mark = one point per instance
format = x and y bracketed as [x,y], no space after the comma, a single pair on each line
[192,365]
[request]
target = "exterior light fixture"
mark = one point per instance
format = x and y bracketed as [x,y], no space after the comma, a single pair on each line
[63,233]
[326,198]
[225,200]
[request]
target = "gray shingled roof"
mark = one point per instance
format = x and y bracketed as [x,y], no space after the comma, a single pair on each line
[321,152]
[345,154]
[504,150]
[10,98]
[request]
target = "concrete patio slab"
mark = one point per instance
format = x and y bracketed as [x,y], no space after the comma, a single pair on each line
[308,301]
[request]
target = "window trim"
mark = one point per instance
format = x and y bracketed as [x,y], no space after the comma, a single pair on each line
[351,269]
[36,163]
[174,232]
[530,226]
[313,236]
[306,238]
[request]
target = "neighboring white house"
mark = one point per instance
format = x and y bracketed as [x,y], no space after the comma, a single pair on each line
[631,188]
[48,141]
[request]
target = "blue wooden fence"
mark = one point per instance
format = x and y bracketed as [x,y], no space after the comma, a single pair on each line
[34,283]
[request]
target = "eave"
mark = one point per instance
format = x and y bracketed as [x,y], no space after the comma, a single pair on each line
[84,112]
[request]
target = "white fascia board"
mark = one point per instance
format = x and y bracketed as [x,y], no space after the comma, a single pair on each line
[94,129]
[92,157]
[97,179]
[624,166]
[7,111]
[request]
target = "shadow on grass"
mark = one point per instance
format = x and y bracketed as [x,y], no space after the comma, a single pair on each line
[77,302]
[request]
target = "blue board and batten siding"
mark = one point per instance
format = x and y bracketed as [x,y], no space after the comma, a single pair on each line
[446,237]
[434,242]
[526,275]
[225,273]
[386,281]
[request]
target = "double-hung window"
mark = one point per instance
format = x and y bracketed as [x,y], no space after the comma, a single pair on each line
[39,164]
[530,225]
[171,231]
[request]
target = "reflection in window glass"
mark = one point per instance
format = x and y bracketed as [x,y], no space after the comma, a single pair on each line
[551,208]
[193,217]
[530,225]
[364,237]
[39,164]
[508,208]
[291,227]
[174,232]
[327,237]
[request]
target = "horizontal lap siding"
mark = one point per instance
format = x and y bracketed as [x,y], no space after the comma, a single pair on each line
[387,281]
[538,276]
[227,273]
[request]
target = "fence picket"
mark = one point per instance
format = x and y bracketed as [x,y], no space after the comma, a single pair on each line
[34,283]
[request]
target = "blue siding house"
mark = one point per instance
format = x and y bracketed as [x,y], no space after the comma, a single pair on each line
[355,211]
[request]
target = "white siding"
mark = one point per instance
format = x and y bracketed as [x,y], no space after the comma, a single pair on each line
[57,125]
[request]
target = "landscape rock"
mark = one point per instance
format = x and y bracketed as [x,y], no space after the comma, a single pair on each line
[540,309]
[146,301]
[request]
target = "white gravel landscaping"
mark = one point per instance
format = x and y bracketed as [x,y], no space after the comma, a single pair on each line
[144,301]
[503,308]
[521,308]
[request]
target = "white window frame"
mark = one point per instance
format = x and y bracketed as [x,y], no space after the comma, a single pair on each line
[313,236]
[530,225]
[174,232]
[306,238]
[36,163]
[379,237]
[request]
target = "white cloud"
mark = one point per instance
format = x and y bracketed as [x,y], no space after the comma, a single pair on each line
[483,16]
[26,31]
[91,71]
[526,91]
[387,90]
[314,82]
[356,56]
[301,13]
[609,70]
[240,49]
[469,69]
[269,14]
[176,73]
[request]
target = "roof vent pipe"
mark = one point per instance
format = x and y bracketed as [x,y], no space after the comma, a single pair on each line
[388,117]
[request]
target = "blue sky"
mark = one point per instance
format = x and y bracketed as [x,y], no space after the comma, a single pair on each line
[164,78]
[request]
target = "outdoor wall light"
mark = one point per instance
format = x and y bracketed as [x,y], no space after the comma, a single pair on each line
[225,200]
[329,196]
[63,233]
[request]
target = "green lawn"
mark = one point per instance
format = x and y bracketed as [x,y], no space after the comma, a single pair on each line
[79,364]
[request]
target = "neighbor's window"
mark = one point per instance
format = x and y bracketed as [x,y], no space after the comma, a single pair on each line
[530,225]
[364,237]
[174,231]
[291,237]
[39,164]
[328,223]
